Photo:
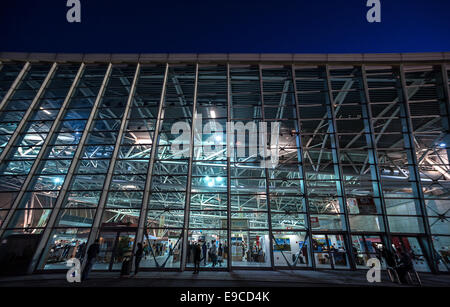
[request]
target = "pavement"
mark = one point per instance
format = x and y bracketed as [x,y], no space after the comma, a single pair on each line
[236,278]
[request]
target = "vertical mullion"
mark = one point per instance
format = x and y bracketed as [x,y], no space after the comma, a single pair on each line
[28,113]
[229,145]
[414,168]
[302,172]
[445,105]
[266,171]
[43,149]
[148,182]
[338,167]
[14,86]
[372,144]
[187,206]
[106,186]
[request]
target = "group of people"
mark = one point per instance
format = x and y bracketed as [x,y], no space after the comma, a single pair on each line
[206,251]
[159,249]
[398,260]
[94,249]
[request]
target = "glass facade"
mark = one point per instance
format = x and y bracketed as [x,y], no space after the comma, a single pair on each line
[94,151]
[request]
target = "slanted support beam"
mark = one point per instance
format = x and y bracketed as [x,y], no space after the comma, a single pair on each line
[187,206]
[15,84]
[95,231]
[142,226]
[414,172]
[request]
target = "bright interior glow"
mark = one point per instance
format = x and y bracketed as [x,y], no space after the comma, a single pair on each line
[57,180]
[213,114]
[218,137]
[142,141]
[219,179]
[45,111]
[210,183]
[129,186]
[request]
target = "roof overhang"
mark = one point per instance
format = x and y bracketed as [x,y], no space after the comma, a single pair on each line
[269,58]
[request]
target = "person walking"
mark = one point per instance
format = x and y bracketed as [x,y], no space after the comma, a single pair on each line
[220,254]
[404,266]
[213,251]
[204,250]
[197,255]
[188,253]
[138,258]
[92,253]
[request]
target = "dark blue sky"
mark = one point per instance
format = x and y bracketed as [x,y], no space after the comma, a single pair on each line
[322,26]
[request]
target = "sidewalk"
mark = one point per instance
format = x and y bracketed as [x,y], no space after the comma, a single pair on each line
[238,278]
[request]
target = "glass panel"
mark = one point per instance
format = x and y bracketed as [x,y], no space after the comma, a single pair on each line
[290,249]
[64,244]
[244,242]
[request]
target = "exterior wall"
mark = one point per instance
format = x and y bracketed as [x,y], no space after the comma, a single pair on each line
[87,151]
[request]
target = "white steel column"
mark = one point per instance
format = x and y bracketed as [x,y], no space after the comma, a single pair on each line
[101,204]
[148,181]
[15,84]
[33,170]
[189,175]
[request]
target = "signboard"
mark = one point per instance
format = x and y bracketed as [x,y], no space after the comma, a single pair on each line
[315,222]
[236,224]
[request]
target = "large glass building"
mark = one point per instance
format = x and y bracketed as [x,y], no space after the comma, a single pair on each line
[91,148]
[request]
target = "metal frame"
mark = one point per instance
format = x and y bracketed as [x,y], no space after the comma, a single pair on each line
[414,171]
[266,171]
[28,113]
[372,145]
[33,170]
[45,144]
[15,84]
[338,167]
[374,168]
[187,206]
[142,227]
[96,226]
[301,169]
[229,150]
[16,134]
[70,172]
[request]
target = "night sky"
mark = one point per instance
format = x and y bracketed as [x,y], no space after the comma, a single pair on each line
[191,26]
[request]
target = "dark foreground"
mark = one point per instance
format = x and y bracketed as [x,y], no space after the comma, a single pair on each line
[238,278]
